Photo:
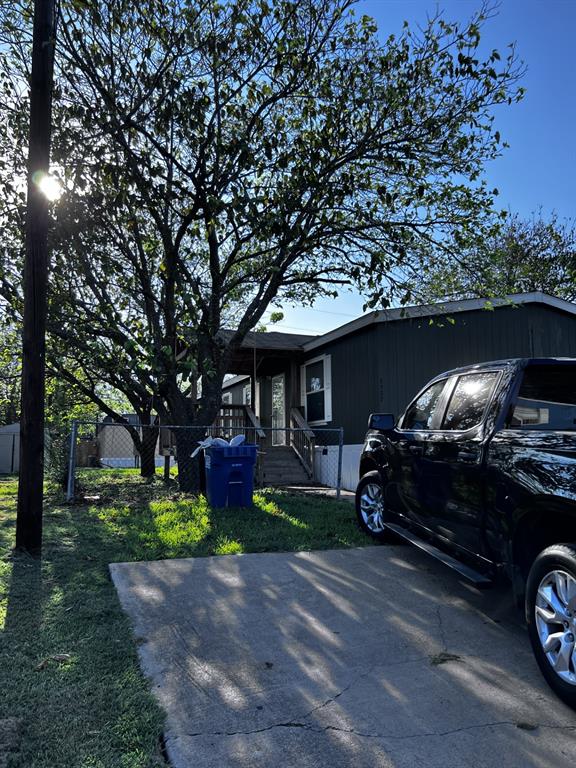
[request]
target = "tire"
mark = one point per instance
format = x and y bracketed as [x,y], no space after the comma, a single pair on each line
[551,618]
[370,506]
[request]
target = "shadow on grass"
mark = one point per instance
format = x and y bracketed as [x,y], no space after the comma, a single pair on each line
[23,612]
[188,527]
[153,520]
[68,663]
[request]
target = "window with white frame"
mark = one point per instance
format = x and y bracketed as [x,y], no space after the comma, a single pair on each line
[246,394]
[316,390]
[227,397]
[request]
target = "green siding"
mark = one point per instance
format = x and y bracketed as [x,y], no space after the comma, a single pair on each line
[354,362]
[380,368]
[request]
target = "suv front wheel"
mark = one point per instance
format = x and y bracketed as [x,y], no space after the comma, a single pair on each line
[371,507]
[551,617]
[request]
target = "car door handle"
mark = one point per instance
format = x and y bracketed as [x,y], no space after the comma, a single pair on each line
[416,450]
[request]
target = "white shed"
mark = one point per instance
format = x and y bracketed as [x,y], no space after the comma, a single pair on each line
[10,449]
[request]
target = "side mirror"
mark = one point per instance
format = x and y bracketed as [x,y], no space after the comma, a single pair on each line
[382,421]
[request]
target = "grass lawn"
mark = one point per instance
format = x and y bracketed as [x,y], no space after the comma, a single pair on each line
[72,695]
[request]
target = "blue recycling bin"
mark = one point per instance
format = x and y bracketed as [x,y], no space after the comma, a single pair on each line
[230,475]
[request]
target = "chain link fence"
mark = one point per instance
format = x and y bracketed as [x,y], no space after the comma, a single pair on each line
[286,456]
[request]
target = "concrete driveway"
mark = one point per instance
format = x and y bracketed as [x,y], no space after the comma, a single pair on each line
[349,658]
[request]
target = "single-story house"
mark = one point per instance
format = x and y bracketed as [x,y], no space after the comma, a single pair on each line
[379,361]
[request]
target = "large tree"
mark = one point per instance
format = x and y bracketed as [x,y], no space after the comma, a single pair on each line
[518,256]
[64,400]
[218,157]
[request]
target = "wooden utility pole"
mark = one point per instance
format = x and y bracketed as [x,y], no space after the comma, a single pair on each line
[30,486]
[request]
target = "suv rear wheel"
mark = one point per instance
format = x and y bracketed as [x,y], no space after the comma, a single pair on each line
[371,507]
[551,617]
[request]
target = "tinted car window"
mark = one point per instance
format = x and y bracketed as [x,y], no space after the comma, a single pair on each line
[469,399]
[547,398]
[421,412]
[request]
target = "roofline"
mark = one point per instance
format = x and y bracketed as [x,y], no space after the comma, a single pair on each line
[430,310]
[234,380]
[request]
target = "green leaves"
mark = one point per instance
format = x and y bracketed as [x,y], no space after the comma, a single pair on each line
[515,256]
[220,155]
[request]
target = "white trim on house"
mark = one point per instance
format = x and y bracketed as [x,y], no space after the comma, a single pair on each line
[256,406]
[327,389]
[278,435]
[431,310]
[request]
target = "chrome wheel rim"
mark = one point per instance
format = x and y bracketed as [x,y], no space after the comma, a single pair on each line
[372,507]
[555,614]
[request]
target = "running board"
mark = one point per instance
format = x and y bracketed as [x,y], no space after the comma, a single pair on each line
[469,573]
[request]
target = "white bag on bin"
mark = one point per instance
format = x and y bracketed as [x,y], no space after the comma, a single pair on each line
[209,441]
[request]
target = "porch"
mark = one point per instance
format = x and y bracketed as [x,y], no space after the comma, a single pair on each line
[286,455]
[264,400]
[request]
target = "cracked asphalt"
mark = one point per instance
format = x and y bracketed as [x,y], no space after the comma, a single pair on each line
[370,657]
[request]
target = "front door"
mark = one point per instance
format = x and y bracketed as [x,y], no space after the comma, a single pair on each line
[278,410]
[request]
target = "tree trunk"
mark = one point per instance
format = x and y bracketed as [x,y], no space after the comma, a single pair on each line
[145,438]
[192,417]
[147,451]
[190,470]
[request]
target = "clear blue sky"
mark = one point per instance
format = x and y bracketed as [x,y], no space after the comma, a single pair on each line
[539,168]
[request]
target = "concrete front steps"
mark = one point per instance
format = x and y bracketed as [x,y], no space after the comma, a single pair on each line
[281,466]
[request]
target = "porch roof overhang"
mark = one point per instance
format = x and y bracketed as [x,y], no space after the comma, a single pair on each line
[267,351]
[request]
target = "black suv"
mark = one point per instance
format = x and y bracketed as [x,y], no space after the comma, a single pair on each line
[480,471]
